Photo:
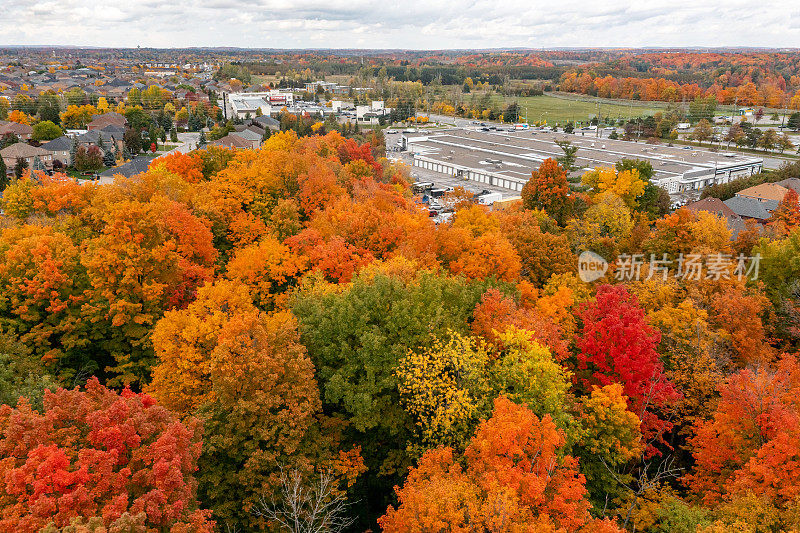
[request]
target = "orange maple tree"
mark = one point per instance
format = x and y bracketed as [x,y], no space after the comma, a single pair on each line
[513,477]
[752,441]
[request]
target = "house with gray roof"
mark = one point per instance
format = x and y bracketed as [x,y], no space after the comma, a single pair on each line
[720,209]
[267,122]
[60,147]
[250,136]
[112,136]
[790,183]
[137,165]
[752,208]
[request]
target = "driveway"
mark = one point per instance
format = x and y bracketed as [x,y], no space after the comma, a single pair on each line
[188,142]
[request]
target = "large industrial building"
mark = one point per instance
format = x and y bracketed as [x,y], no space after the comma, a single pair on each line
[506,158]
[243,105]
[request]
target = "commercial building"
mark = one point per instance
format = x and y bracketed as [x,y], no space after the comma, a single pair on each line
[506,158]
[333,88]
[371,114]
[248,105]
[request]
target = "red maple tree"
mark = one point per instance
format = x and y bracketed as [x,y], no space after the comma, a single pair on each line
[96,453]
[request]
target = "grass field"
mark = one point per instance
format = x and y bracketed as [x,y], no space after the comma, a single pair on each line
[562,109]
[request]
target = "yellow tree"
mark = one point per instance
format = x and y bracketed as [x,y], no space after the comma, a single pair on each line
[447,388]
[627,184]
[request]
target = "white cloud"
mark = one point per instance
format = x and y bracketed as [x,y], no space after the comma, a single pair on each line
[413,24]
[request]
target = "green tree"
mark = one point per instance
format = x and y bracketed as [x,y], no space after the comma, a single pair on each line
[702,109]
[132,140]
[22,374]
[567,161]
[137,118]
[4,181]
[511,113]
[109,159]
[654,200]
[46,131]
[20,167]
[794,121]
[48,108]
[356,339]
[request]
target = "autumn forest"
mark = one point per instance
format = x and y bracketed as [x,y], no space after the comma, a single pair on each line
[282,338]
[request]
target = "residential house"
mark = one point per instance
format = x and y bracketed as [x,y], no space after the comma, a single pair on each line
[720,209]
[137,165]
[107,119]
[22,131]
[250,136]
[112,136]
[764,192]
[29,153]
[233,141]
[790,183]
[267,122]
[750,208]
[60,148]
[254,127]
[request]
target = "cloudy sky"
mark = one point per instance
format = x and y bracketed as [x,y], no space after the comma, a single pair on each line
[414,24]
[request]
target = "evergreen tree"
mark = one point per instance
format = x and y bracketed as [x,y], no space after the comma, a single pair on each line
[19,168]
[152,135]
[201,142]
[73,150]
[794,121]
[101,143]
[3,175]
[38,165]
[109,159]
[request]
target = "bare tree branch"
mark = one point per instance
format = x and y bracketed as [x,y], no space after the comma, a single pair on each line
[320,508]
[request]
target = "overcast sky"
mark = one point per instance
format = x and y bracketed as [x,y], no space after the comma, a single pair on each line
[411,24]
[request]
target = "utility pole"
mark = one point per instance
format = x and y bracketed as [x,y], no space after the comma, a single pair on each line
[785,106]
[597,128]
